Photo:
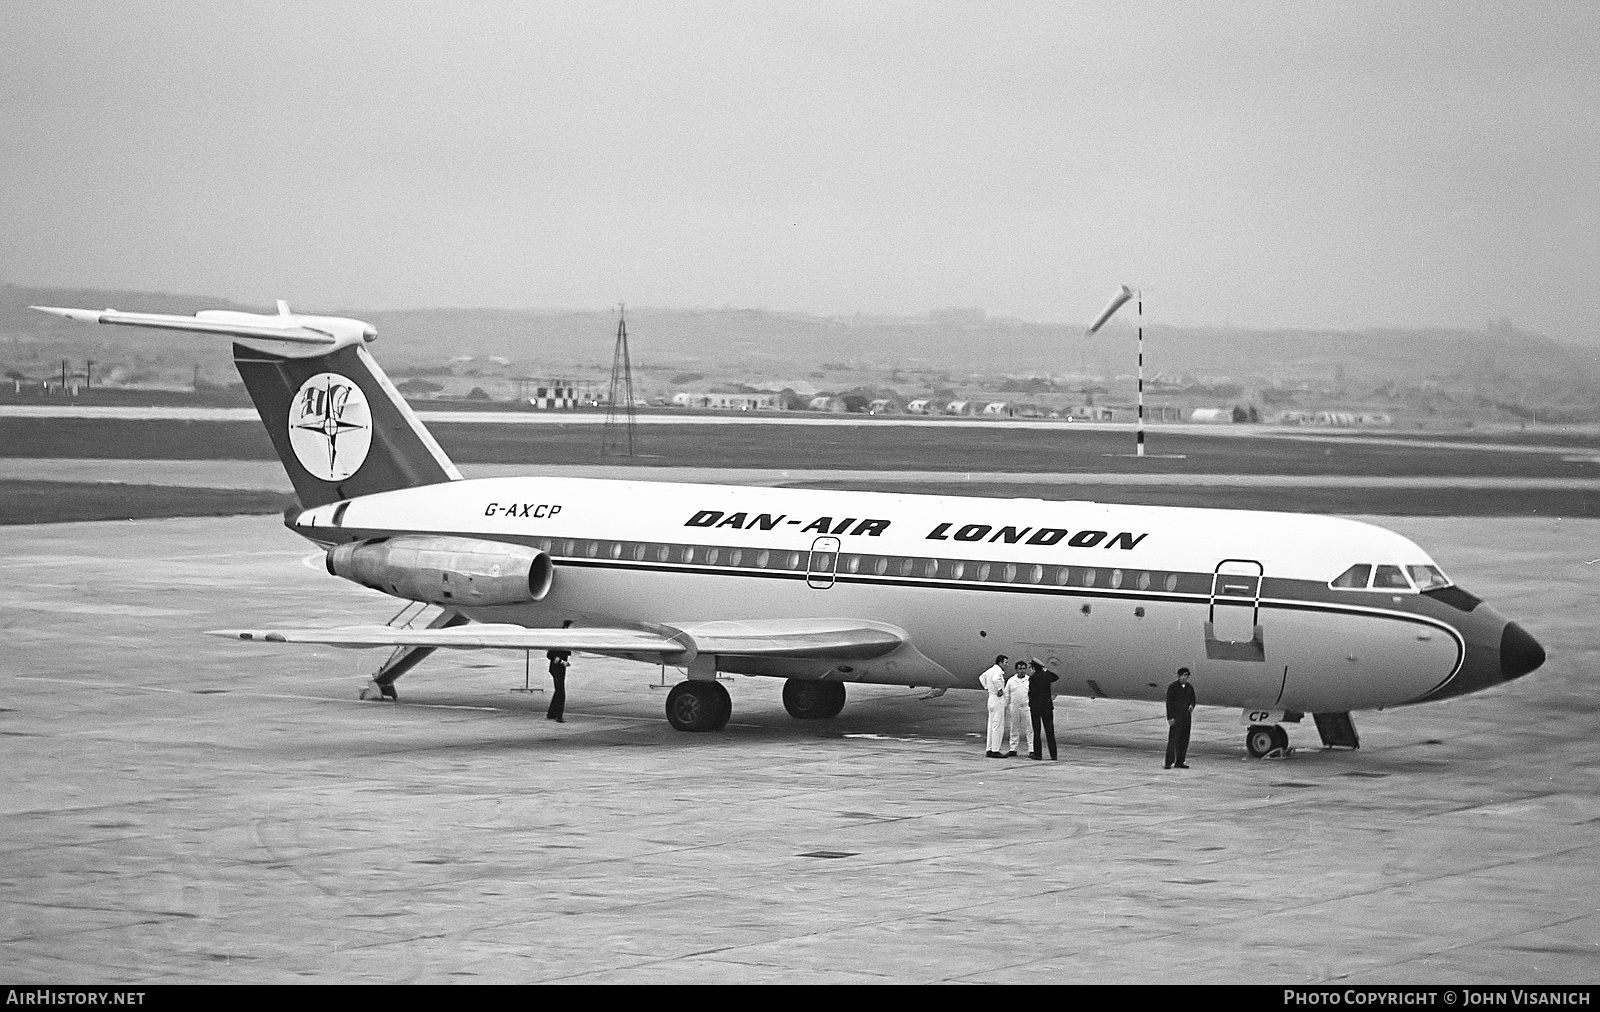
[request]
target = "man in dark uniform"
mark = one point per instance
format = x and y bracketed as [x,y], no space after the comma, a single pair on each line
[558,674]
[1180,708]
[1042,707]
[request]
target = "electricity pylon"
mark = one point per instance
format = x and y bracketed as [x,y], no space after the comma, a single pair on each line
[617,439]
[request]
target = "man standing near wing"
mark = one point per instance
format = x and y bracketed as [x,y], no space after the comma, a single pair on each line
[1180,711]
[1041,709]
[993,681]
[1017,729]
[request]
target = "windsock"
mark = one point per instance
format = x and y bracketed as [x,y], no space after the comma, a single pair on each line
[1115,304]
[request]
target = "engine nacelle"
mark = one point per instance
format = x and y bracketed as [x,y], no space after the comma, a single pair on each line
[458,572]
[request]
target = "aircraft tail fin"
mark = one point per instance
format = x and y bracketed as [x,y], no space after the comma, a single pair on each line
[339,426]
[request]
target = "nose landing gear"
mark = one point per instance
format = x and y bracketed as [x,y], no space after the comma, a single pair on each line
[1261,740]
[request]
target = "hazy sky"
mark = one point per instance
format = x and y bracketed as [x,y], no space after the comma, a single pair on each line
[1328,164]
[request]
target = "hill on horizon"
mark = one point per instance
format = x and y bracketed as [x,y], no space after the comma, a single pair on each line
[1501,359]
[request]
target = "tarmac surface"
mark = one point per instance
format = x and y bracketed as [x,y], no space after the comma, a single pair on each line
[179,808]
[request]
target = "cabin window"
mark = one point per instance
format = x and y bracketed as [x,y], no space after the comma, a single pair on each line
[688,553]
[1144,581]
[592,549]
[638,552]
[1088,578]
[1172,582]
[908,567]
[712,555]
[1354,578]
[1036,574]
[957,570]
[1063,576]
[983,570]
[881,566]
[930,568]
[616,549]
[1116,578]
[1010,573]
[1427,577]
[663,553]
[1390,578]
[794,560]
[762,558]
[735,556]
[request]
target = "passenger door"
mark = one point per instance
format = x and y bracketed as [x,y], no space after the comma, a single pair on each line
[1233,621]
[822,563]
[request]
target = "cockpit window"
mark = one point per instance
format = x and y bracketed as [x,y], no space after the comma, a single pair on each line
[1427,577]
[1390,578]
[1354,578]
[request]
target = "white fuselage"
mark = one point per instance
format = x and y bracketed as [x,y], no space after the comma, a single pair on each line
[1114,598]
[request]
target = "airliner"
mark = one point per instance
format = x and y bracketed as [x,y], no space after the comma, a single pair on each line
[1276,614]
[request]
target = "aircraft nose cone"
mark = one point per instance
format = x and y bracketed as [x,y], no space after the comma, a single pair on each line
[1519,652]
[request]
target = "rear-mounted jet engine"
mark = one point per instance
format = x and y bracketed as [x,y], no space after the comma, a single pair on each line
[453,572]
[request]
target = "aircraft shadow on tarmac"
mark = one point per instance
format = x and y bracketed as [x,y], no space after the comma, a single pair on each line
[949,725]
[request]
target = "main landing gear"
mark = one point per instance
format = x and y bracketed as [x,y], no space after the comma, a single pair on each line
[1262,740]
[699,705]
[808,700]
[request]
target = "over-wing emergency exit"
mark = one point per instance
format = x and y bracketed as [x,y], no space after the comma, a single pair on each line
[1276,614]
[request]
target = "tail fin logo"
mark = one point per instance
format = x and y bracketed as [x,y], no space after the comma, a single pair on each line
[330,426]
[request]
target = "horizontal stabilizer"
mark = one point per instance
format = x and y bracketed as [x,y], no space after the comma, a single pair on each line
[232,324]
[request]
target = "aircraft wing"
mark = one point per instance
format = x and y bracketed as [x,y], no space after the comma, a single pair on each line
[473,636]
[842,639]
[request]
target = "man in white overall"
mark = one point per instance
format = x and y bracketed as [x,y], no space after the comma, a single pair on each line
[1018,720]
[993,681]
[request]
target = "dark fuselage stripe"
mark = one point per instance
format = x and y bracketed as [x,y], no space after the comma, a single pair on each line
[1276,602]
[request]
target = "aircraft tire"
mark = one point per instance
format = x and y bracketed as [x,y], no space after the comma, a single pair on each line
[811,700]
[725,712]
[698,705]
[1263,738]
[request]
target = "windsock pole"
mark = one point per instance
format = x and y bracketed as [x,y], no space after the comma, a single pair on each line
[1117,302]
[1139,445]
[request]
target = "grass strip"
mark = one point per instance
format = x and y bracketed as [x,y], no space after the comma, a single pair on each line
[58,502]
